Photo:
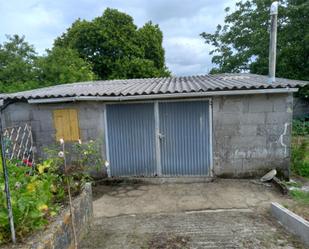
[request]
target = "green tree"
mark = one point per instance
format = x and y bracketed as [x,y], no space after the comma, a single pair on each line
[17,60]
[63,65]
[114,46]
[241,44]
[151,38]
[22,69]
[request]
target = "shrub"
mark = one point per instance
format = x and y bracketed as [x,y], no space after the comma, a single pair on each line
[300,160]
[35,199]
[88,155]
[300,127]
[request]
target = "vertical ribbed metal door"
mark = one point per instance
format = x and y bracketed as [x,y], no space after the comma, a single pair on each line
[131,139]
[184,138]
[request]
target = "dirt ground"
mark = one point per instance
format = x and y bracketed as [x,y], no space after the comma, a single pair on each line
[219,214]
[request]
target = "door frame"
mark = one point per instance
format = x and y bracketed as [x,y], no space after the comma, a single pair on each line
[157,129]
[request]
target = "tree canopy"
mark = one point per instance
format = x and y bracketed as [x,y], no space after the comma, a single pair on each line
[63,66]
[21,68]
[115,47]
[17,64]
[241,43]
[108,47]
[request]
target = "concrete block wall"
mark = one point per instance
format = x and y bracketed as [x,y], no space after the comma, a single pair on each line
[40,117]
[251,134]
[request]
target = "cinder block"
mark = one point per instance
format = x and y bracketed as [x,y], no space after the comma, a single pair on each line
[260,103]
[231,105]
[248,130]
[248,142]
[278,118]
[227,118]
[226,130]
[253,118]
[281,103]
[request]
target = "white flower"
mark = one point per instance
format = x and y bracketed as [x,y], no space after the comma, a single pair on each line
[17,185]
[79,141]
[106,163]
[61,141]
[61,154]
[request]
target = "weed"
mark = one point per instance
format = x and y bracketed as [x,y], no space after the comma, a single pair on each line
[300,160]
[300,196]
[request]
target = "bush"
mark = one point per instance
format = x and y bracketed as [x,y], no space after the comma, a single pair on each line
[300,127]
[300,159]
[35,199]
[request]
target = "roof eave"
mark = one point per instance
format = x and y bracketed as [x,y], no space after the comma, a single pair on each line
[160,96]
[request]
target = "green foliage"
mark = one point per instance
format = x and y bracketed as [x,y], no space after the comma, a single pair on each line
[150,37]
[300,127]
[17,65]
[34,199]
[241,44]
[82,159]
[108,47]
[115,47]
[88,155]
[63,65]
[300,158]
[22,69]
[301,196]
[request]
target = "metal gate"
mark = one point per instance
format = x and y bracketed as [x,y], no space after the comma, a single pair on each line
[184,138]
[131,139]
[161,138]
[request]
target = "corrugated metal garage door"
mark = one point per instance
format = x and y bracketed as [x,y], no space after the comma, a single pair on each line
[166,138]
[185,140]
[131,139]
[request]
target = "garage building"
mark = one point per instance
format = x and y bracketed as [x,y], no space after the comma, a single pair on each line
[228,125]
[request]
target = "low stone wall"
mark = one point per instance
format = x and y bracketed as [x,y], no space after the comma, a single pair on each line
[292,222]
[60,234]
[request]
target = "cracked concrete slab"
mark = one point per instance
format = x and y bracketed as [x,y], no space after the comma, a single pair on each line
[138,198]
[225,229]
[219,214]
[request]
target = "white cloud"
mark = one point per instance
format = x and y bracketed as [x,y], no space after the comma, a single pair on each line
[187,56]
[41,21]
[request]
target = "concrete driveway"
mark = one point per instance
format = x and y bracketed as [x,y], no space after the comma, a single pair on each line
[220,214]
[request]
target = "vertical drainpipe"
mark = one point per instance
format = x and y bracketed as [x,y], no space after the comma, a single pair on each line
[273,41]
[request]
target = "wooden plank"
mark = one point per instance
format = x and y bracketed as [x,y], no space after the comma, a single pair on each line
[66,124]
[74,126]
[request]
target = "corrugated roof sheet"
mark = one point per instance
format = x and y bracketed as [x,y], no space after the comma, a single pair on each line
[153,86]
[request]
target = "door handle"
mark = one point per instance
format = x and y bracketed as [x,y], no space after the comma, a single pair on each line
[160,135]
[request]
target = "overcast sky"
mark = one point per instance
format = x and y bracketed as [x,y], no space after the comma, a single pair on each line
[181,21]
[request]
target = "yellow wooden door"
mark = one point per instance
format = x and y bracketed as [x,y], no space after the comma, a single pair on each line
[66,124]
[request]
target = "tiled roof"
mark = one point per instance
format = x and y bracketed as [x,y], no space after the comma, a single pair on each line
[153,86]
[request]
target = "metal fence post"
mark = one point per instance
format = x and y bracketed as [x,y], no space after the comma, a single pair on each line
[6,181]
